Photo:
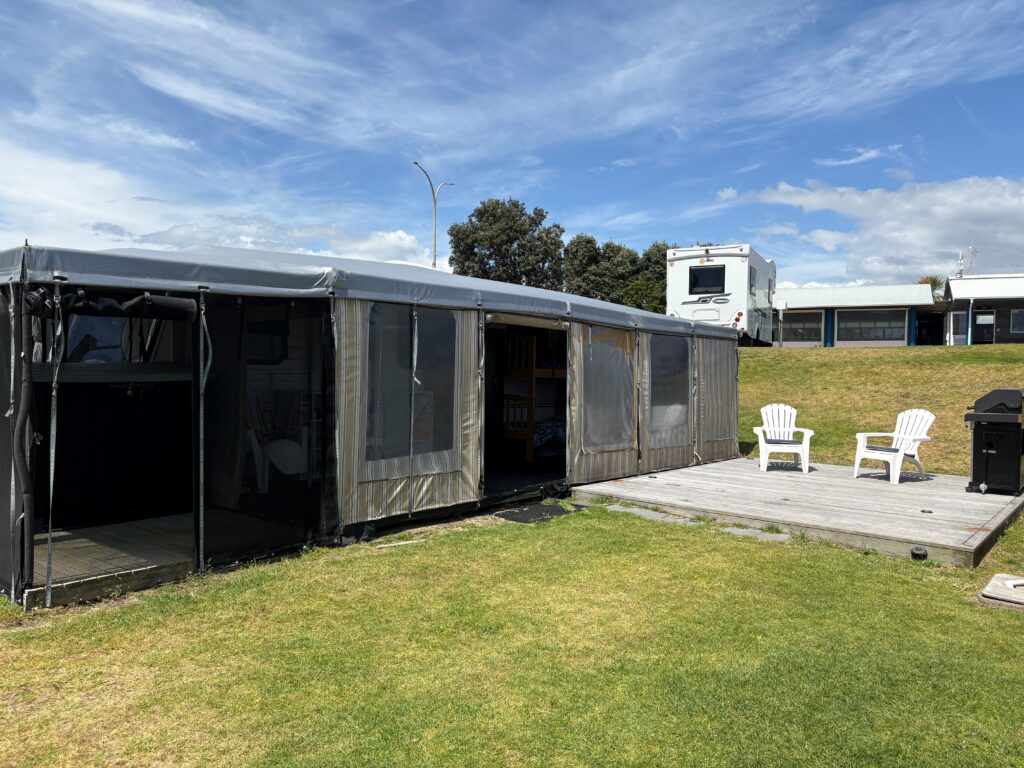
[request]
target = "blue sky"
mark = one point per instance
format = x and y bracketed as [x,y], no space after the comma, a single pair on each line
[850,141]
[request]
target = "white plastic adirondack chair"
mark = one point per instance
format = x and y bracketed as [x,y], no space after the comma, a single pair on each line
[911,430]
[776,435]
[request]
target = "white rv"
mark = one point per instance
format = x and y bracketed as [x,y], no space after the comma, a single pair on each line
[728,285]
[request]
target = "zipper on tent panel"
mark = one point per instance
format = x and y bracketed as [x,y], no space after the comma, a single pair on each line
[697,403]
[481,398]
[636,396]
[335,430]
[412,401]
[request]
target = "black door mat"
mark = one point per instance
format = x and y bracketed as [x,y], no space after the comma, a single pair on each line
[532,513]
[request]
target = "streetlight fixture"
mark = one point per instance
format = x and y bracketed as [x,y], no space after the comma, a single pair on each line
[434,194]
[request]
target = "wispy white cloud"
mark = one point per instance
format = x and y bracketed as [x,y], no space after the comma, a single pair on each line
[889,53]
[916,229]
[859,155]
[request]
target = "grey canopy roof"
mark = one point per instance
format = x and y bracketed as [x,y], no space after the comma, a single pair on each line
[242,271]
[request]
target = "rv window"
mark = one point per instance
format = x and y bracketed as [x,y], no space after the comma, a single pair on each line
[753,281]
[707,279]
[670,391]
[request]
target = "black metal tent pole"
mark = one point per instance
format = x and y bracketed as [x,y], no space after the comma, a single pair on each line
[21,441]
[205,361]
[56,353]
[11,420]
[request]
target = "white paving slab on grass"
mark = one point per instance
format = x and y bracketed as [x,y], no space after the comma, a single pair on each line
[1004,587]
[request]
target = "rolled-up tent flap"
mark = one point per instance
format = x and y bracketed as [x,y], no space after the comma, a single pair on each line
[145,306]
[40,303]
[532,321]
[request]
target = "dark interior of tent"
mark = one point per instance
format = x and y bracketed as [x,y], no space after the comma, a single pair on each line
[267,430]
[123,485]
[525,407]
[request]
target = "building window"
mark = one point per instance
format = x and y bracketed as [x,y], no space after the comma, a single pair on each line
[707,280]
[1017,321]
[801,327]
[871,325]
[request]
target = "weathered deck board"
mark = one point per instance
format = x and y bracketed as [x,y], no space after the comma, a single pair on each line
[89,562]
[828,503]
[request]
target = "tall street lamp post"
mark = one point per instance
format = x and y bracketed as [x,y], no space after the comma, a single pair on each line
[434,194]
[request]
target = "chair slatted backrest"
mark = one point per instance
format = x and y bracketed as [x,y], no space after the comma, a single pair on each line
[778,421]
[911,427]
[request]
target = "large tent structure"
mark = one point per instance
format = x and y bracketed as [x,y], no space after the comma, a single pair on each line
[175,411]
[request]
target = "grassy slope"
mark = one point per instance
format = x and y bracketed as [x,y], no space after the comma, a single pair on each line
[594,639]
[840,392]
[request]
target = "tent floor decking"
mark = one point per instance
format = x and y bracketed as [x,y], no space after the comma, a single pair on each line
[956,527]
[89,563]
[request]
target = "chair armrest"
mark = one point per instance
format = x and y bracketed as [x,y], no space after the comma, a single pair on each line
[807,432]
[923,439]
[876,434]
[759,431]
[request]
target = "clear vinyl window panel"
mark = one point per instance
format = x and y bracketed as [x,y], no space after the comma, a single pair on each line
[389,381]
[97,339]
[669,415]
[871,325]
[609,390]
[434,402]
[411,388]
[801,326]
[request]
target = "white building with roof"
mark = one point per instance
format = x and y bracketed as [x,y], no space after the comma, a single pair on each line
[985,309]
[856,316]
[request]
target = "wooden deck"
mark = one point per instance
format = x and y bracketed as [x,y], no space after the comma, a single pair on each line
[89,563]
[955,527]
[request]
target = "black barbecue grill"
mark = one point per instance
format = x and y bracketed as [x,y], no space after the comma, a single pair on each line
[997,456]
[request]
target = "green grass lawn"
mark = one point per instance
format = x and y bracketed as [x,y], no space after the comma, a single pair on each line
[593,639]
[840,392]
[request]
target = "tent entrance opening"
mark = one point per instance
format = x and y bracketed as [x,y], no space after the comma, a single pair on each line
[123,484]
[525,408]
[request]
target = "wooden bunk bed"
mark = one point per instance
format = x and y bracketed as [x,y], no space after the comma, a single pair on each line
[519,411]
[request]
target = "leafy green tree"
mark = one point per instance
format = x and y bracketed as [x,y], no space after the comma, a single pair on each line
[937,283]
[616,273]
[582,254]
[503,241]
[647,291]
